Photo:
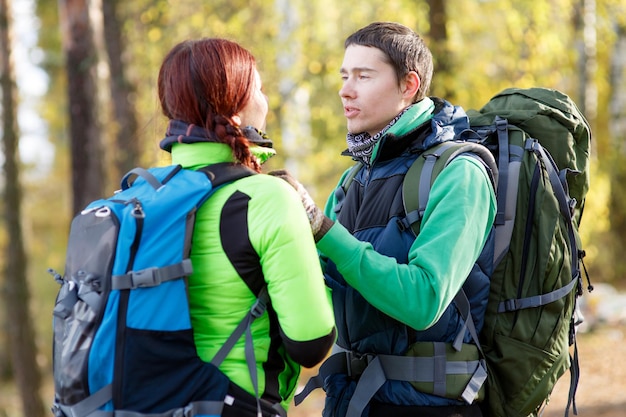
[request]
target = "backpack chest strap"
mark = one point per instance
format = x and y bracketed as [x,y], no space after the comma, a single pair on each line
[150,277]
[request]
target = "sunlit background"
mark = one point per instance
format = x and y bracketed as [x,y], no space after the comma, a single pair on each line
[480,46]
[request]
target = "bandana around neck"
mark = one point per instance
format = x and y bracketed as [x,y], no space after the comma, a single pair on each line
[362,145]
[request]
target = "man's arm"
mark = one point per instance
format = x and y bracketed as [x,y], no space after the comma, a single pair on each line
[456,223]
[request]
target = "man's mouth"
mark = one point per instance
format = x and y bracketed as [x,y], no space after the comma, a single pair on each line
[350,112]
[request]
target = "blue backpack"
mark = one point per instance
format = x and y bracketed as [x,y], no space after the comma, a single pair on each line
[123,341]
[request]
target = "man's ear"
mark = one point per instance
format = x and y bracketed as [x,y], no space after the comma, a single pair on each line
[410,85]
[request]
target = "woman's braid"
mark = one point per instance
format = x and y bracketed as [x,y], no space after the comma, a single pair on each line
[230,134]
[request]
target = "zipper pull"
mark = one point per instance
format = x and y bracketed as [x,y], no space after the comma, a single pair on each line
[138,212]
[57,277]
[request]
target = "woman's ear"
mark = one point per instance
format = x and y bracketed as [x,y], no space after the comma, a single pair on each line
[411,85]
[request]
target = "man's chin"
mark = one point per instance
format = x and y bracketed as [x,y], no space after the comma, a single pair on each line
[353,130]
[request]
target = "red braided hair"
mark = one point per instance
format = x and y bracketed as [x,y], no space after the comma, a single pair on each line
[206,82]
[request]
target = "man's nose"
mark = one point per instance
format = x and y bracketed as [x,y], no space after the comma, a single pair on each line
[347,89]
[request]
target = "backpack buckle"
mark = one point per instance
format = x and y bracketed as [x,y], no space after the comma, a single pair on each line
[509,305]
[186,411]
[403,224]
[356,364]
[258,308]
[56,410]
[92,282]
[145,278]
[572,206]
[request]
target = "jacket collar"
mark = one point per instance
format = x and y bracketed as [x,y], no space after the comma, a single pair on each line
[420,129]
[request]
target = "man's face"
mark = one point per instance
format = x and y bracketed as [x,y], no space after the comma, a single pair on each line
[370,95]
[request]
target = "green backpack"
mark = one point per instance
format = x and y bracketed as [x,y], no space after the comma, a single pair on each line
[540,141]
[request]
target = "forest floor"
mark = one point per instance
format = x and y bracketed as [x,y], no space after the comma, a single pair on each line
[601,390]
[602,387]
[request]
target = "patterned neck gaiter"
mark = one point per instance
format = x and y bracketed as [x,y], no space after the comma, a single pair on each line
[361,145]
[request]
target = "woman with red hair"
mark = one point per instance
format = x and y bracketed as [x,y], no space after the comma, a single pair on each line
[252,233]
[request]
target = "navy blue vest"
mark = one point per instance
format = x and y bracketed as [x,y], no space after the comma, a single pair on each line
[372,211]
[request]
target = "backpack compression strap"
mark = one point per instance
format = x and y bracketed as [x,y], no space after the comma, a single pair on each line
[150,277]
[566,206]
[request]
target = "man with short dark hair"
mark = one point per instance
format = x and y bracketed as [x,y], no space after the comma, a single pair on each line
[393,291]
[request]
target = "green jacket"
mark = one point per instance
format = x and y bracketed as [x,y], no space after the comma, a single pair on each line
[262,218]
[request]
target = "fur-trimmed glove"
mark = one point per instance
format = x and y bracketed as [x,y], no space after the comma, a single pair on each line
[317,219]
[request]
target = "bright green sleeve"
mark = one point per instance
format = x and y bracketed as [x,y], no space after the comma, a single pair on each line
[456,223]
[281,234]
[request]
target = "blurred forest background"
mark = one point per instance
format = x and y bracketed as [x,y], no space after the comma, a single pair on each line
[79,109]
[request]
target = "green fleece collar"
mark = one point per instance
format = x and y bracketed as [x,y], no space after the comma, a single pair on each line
[416,115]
[197,155]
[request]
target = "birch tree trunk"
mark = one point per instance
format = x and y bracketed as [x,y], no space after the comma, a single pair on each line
[21,334]
[617,81]
[587,48]
[617,129]
[295,117]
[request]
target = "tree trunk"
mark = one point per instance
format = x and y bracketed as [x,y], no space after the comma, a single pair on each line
[439,47]
[21,335]
[294,115]
[85,137]
[617,128]
[617,87]
[5,347]
[127,145]
[585,23]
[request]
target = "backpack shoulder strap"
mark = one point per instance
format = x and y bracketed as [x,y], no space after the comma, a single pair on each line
[256,311]
[340,192]
[220,173]
[423,172]
[225,172]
